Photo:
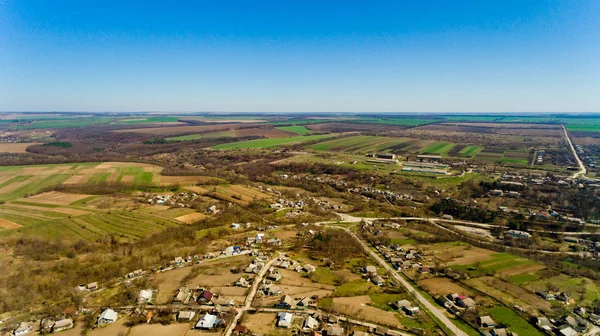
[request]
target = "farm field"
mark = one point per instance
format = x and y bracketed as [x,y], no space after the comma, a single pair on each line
[231,193]
[471,151]
[342,160]
[148,120]
[18,147]
[202,136]
[361,144]
[440,148]
[21,181]
[271,143]
[301,130]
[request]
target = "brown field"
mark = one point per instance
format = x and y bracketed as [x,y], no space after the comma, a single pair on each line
[443,286]
[292,278]
[114,329]
[68,211]
[285,234]
[359,306]
[521,269]
[174,130]
[77,179]
[198,190]
[176,329]
[191,218]
[209,280]
[55,198]
[260,323]
[15,147]
[8,225]
[460,255]
[170,180]
[508,293]
[15,185]
[168,282]
[127,178]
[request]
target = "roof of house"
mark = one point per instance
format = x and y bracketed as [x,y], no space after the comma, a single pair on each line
[335,331]
[568,331]
[284,319]
[287,299]
[108,314]
[486,320]
[207,321]
[403,304]
[63,323]
[310,323]
[207,295]
[186,314]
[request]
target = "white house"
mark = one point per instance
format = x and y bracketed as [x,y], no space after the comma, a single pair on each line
[107,316]
[207,321]
[145,296]
[284,320]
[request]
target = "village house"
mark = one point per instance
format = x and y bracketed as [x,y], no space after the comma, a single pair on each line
[206,322]
[407,307]
[335,331]
[145,296]
[185,315]
[205,298]
[23,328]
[242,282]
[63,324]
[486,322]
[286,302]
[284,320]
[108,316]
[310,323]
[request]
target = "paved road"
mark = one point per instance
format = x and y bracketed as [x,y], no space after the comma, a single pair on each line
[409,288]
[351,219]
[249,297]
[582,169]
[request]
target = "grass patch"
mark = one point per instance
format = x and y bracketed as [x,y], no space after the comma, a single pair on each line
[271,143]
[471,151]
[515,322]
[355,288]
[440,147]
[383,300]
[523,278]
[298,129]
[325,276]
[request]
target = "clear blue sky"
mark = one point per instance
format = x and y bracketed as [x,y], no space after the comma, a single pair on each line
[401,55]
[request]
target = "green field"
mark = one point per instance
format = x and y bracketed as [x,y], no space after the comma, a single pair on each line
[516,323]
[356,288]
[202,136]
[361,144]
[520,279]
[134,121]
[29,180]
[514,161]
[471,151]
[498,262]
[271,143]
[440,147]
[61,123]
[295,129]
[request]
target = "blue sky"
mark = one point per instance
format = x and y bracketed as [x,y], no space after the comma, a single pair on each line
[358,56]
